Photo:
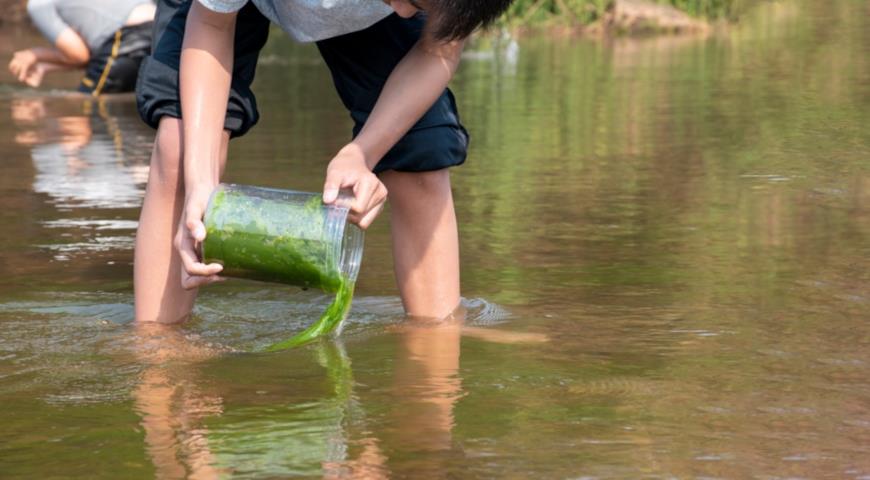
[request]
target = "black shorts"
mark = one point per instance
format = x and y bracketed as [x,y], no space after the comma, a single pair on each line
[157,87]
[113,67]
[360,63]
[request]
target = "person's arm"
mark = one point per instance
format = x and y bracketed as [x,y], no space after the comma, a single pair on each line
[205,76]
[69,50]
[412,88]
[28,69]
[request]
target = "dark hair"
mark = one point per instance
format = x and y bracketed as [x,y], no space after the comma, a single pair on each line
[456,19]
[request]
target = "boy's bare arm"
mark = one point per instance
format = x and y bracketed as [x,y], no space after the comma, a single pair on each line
[69,51]
[205,76]
[412,88]
[416,82]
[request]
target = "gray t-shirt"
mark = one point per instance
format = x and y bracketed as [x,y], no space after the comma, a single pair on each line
[312,20]
[94,20]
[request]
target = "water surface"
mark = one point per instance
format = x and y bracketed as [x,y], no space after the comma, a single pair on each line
[686,220]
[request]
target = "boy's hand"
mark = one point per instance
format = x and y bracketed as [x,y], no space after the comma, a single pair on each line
[188,241]
[37,72]
[22,62]
[348,169]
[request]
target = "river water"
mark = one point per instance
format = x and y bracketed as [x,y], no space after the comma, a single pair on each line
[665,248]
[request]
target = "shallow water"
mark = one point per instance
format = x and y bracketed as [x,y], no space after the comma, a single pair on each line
[687,220]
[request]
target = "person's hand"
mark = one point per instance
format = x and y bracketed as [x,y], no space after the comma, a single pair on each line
[21,64]
[348,169]
[188,241]
[37,73]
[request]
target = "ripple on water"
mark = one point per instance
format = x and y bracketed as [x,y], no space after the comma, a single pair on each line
[92,223]
[619,387]
[254,319]
[61,347]
[84,348]
[85,236]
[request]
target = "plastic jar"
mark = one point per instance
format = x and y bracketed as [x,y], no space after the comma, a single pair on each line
[281,236]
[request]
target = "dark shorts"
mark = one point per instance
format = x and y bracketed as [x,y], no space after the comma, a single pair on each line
[157,87]
[360,63]
[113,67]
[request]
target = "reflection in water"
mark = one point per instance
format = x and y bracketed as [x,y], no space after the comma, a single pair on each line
[502,49]
[191,431]
[87,155]
[426,388]
[80,159]
[272,440]
[414,437]
[187,437]
[171,404]
[408,432]
[687,219]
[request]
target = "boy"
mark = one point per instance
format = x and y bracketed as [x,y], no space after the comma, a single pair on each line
[390,63]
[106,38]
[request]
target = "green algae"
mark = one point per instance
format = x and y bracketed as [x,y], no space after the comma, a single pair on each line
[268,239]
[271,241]
[328,322]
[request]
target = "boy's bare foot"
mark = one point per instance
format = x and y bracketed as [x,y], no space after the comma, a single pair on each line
[457,319]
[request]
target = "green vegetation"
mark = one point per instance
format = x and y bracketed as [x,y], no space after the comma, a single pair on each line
[326,324]
[258,238]
[265,240]
[584,12]
[708,8]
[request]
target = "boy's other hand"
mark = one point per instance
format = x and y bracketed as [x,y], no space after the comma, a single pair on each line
[348,169]
[22,63]
[34,78]
[188,241]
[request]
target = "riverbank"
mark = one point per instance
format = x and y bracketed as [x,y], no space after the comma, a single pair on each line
[606,18]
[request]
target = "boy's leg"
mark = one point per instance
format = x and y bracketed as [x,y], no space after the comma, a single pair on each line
[425,244]
[425,241]
[156,265]
[158,293]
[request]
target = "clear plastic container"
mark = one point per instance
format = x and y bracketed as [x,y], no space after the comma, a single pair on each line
[281,236]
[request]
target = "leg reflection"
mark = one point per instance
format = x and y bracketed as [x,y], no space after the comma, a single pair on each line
[171,406]
[416,438]
[427,382]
